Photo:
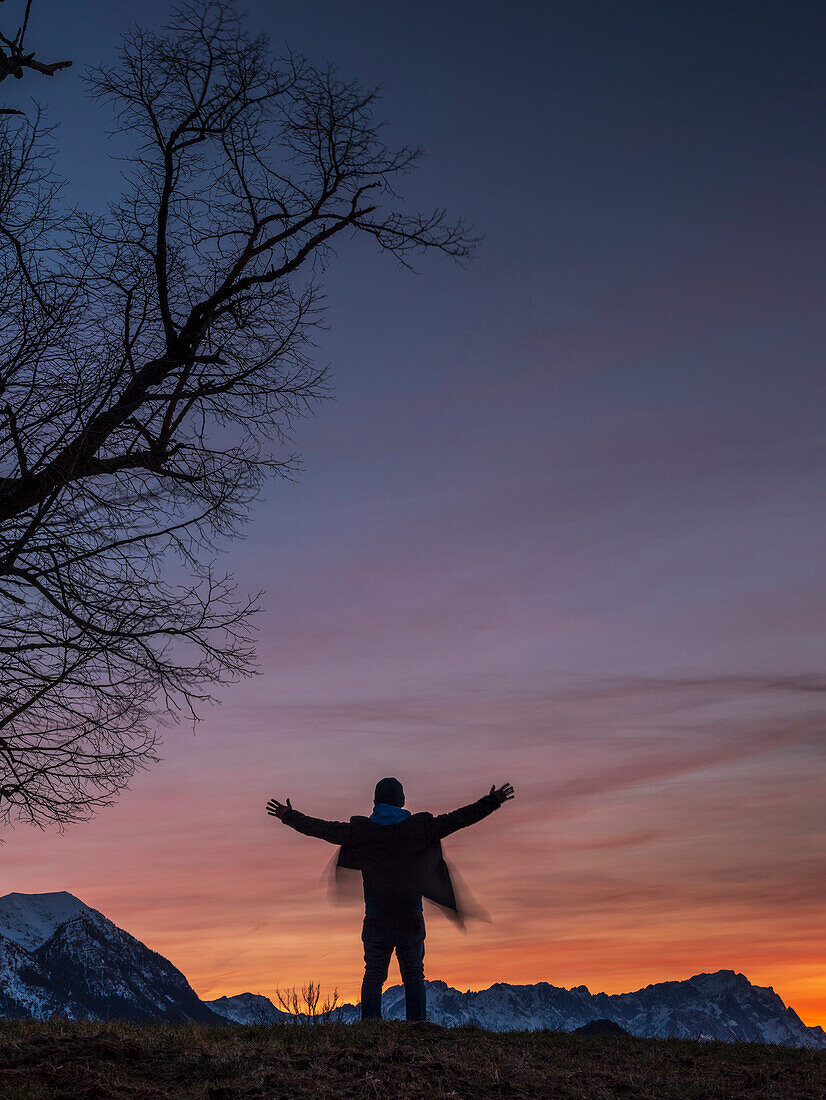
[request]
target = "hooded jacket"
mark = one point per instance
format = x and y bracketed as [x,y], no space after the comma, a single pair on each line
[400,863]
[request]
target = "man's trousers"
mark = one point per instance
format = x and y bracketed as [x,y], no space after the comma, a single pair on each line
[382,935]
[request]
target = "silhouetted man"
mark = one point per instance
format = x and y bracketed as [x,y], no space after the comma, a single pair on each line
[400,858]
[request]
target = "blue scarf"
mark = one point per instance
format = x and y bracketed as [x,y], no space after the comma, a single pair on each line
[384,814]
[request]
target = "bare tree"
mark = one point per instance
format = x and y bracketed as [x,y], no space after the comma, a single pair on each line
[308,1008]
[153,363]
[14,56]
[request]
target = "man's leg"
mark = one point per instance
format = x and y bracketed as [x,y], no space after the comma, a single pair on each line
[410,953]
[377,951]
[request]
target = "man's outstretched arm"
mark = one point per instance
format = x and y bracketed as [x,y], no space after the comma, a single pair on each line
[335,832]
[445,824]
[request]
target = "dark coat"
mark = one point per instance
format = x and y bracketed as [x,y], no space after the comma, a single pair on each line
[399,863]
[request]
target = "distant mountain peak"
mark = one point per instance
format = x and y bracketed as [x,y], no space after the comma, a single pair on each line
[248,1008]
[31,919]
[60,956]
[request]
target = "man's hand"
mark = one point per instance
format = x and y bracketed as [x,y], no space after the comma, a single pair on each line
[278,809]
[503,793]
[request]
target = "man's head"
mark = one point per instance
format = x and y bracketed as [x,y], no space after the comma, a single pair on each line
[390,792]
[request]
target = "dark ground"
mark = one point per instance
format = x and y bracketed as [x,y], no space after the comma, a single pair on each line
[390,1061]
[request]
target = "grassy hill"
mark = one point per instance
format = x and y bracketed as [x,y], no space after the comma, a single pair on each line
[388,1061]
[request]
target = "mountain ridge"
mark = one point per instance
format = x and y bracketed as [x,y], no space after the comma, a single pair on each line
[720,1005]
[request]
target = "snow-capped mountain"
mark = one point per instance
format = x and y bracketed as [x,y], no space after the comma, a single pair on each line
[251,1008]
[59,956]
[724,1005]
[29,919]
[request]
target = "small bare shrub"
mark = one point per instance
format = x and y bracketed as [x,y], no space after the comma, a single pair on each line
[307,1007]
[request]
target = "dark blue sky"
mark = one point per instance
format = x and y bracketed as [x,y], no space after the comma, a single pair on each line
[635,168]
[563,524]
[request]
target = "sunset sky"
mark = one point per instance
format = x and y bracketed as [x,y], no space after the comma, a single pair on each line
[562,525]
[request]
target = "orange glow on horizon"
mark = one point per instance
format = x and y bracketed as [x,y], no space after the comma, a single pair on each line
[619,867]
